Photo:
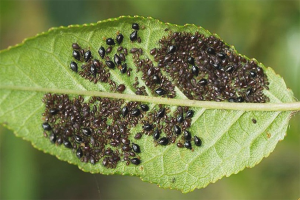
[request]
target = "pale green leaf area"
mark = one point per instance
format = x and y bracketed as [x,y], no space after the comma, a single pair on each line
[231,141]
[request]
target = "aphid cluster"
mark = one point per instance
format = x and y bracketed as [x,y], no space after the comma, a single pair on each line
[205,68]
[99,130]
[96,131]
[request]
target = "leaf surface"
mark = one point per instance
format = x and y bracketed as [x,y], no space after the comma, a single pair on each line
[231,141]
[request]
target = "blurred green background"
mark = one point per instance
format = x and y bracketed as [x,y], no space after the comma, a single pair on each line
[266,30]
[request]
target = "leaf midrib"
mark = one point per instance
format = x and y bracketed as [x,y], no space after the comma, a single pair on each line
[290,106]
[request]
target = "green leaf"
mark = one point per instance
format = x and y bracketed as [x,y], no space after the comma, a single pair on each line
[231,140]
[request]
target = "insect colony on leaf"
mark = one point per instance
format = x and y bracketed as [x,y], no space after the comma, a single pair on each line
[203,68]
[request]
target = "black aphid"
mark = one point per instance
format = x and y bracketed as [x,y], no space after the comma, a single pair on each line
[74,66]
[203,82]
[124,111]
[133,36]
[93,70]
[180,118]
[144,107]
[231,100]
[53,111]
[121,88]
[163,141]
[52,138]
[136,148]
[191,60]
[253,74]
[135,112]
[221,55]
[135,26]
[135,161]
[195,70]
[197,141]
[67,144]
[171,49]
[177,129]
[160,113]
[210,50]
[101,52]
[86,131]
[79,153]
[147,127]
[117,59]
[123,68]
[119,38]
[110,41]
[75,46]
[110,64]
[78,139]
[87,55]
[138,136]
[249,91]
[187,135]
[46,126]
[254,121]
[189,114]
[188,144]
[156,79]
[156,134]
[240,99]
[76,55]
[160,91]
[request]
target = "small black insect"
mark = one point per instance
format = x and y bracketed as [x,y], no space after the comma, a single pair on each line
[123,68]
[138,136]
[189,114]
[136,148]
[110,41]
[191,60]
[87,55]
[101,52]
[180,118]
[221,55]
[109,49]
[119,38]
[229,69]
[177,129]
[67,144]
[160,91]
[78,139]
[210,50]
[156,134]
[203,82]
[86,131]
[74,66]
[52,137]
[195,70]
[156,79]
[240,99]
[46,126]
[135,26]
[133,36]
[160,113]
[75,46]
[179,145]
[147,127]
[53,111]
[188,144]
[231,100]
[135,112]
[79,153]
[110,64]
[93,70]
[76,55]
[163,141]
[121,88]
[197,141]
[254,121]
[249,91]
[135,161]
[171,49]
[187,135]
[252,74]
[117,59]
[144,107]
[124,111]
